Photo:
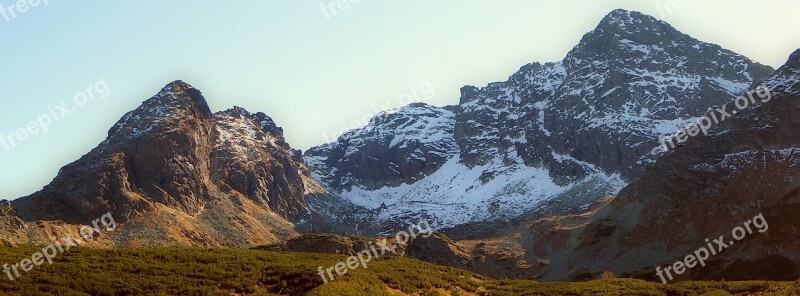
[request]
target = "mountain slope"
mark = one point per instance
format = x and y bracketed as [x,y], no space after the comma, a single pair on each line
[553,139]
[748,165]
[176,174]
[396,147]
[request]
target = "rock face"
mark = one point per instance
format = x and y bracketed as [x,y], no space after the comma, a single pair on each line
[269,176]
[335,244]
[178,174]
[747,165]
[499,258]
[14,228]
[439,249]
[606,102]
[553,139]
[397,147]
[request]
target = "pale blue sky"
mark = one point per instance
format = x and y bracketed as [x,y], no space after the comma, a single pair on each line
[312,74]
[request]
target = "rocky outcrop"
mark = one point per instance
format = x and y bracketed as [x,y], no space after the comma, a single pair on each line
[251,157]
[439,249]
[335,244]
[552,139]
[175,173]
[606,103]
[748,165]
[501,258]
[396,147]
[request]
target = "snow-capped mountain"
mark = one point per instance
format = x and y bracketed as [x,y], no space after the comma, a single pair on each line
[403,145]
[553,138]
[746,166]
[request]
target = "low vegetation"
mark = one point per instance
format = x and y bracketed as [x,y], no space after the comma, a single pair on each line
[195,271]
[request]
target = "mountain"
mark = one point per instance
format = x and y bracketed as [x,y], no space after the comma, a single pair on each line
[746,167]
[407,144]
[176,174]
[552,139]
[558,173]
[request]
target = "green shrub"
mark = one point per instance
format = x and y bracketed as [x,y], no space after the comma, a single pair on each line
[196,271]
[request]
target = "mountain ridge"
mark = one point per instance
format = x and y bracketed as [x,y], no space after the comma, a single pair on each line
[590,123]
[556,160]
[177,174]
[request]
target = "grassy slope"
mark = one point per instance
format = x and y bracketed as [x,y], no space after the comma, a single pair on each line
[192,271]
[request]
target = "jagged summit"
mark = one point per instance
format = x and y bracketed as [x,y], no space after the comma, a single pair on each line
[235,111]
[621,18]
[267,124]
[787,79]
[622,24]
[178,85]
[238,116]
[396,146]
[589,122]
[413,108]
[794,60]
[747,166]
[171,166]
[175,103]
[186,94]
[622,35]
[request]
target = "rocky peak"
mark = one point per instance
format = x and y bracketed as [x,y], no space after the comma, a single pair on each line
[792,66]
[251,157]
[622,26]
[267,124]
[787,79]
[591,119]
[179,93]
[748,165]
[397,146]
[176,103]
[633,75]
[794,60]
[258,120]
[622,23]
[236,111]
[625,37]
[405,113]
[468,93]
[171,160]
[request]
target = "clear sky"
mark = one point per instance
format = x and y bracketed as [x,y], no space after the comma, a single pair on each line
[314,72]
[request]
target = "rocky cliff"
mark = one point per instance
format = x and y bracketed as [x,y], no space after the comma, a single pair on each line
[174,173]
[552,139]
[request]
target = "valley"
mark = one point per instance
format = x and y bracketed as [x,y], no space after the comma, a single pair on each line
[593,175]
